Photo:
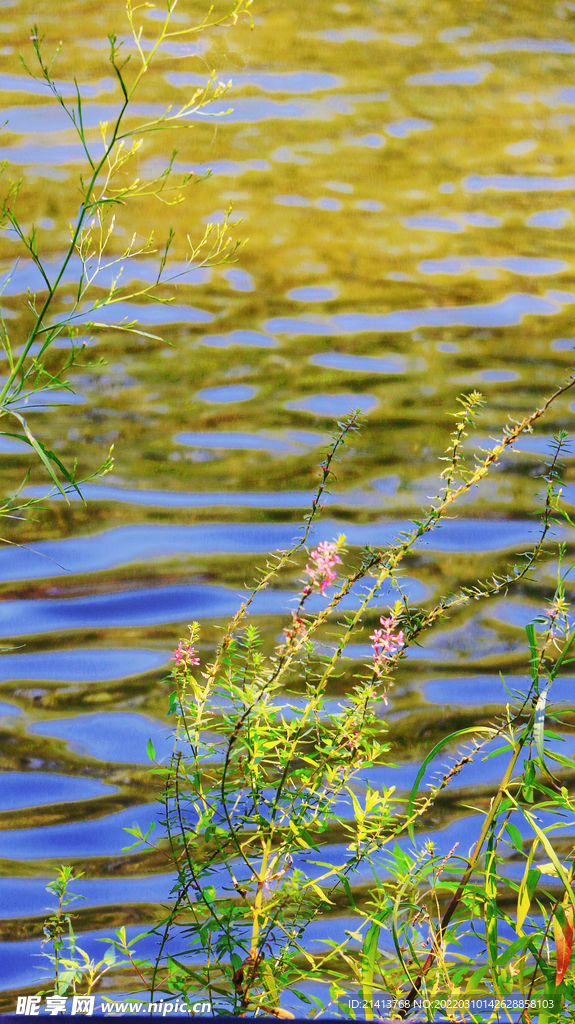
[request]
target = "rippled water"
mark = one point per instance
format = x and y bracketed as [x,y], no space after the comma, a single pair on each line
[405,174]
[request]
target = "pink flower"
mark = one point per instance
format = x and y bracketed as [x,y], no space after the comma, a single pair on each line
[385,643]
[322,573]
[185,654]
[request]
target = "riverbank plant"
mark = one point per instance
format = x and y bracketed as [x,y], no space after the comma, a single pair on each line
[274,817]
[80,293]
[278,828]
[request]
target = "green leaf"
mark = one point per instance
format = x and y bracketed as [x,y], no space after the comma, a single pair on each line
[515,836]
[563,933]
[237,962]
[528,780]
[438,746]
[347,888]
[368,957]
[533,651]
[269,982]
[47,457]
[150,751]
[491,910]
[552,855]
[539,726]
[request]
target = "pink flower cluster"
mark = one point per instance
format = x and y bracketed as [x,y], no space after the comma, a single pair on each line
[186,654]
[385,643]
[322,573]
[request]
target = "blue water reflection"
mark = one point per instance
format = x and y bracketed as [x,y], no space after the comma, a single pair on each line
[313,293]
[534,265]
[239,280]
[524,45]
[337,405]
[287,81]
[479,690]
[21,897]
[228,393]
[249,339]
[183,499]
[152,313]
[153,606]
[408,126]
[503,313]
[518,183]
[118,736]
[32,789]
[8,710]
[425,222]
[550,219]
[97,838]
[390,363]
[138,543]
[89,665]
[34,87]
[292,441]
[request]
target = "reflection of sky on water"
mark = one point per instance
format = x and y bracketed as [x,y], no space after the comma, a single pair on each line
[17,280]
[239,280]
[478,690]
[333,405]
[8,710]
[141,543]
[150,315]
[287,81]
[148,606]
[28,896]
[33,87]
[390,363]
[424,222]
[96,664]
[313,293]
[503,313]
[34,789]
[549,219]
[241,338]
[228,393]
[99,837]
[292,441]
[497,376]
[535,265]
[115,736]
[518,183]
[182,499]
[478,773]
[408,126]
[522,45]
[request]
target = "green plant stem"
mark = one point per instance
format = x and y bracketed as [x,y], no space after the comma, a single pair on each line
[456,898]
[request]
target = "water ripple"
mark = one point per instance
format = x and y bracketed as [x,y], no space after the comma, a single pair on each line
[503,313]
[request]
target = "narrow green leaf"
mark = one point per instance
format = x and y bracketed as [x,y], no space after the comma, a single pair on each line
[368,957]
[539,726]
[515,836]
[533,651]
[552,855]
[438,746]
[47,456]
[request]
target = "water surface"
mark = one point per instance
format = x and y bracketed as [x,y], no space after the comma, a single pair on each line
[405,175]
